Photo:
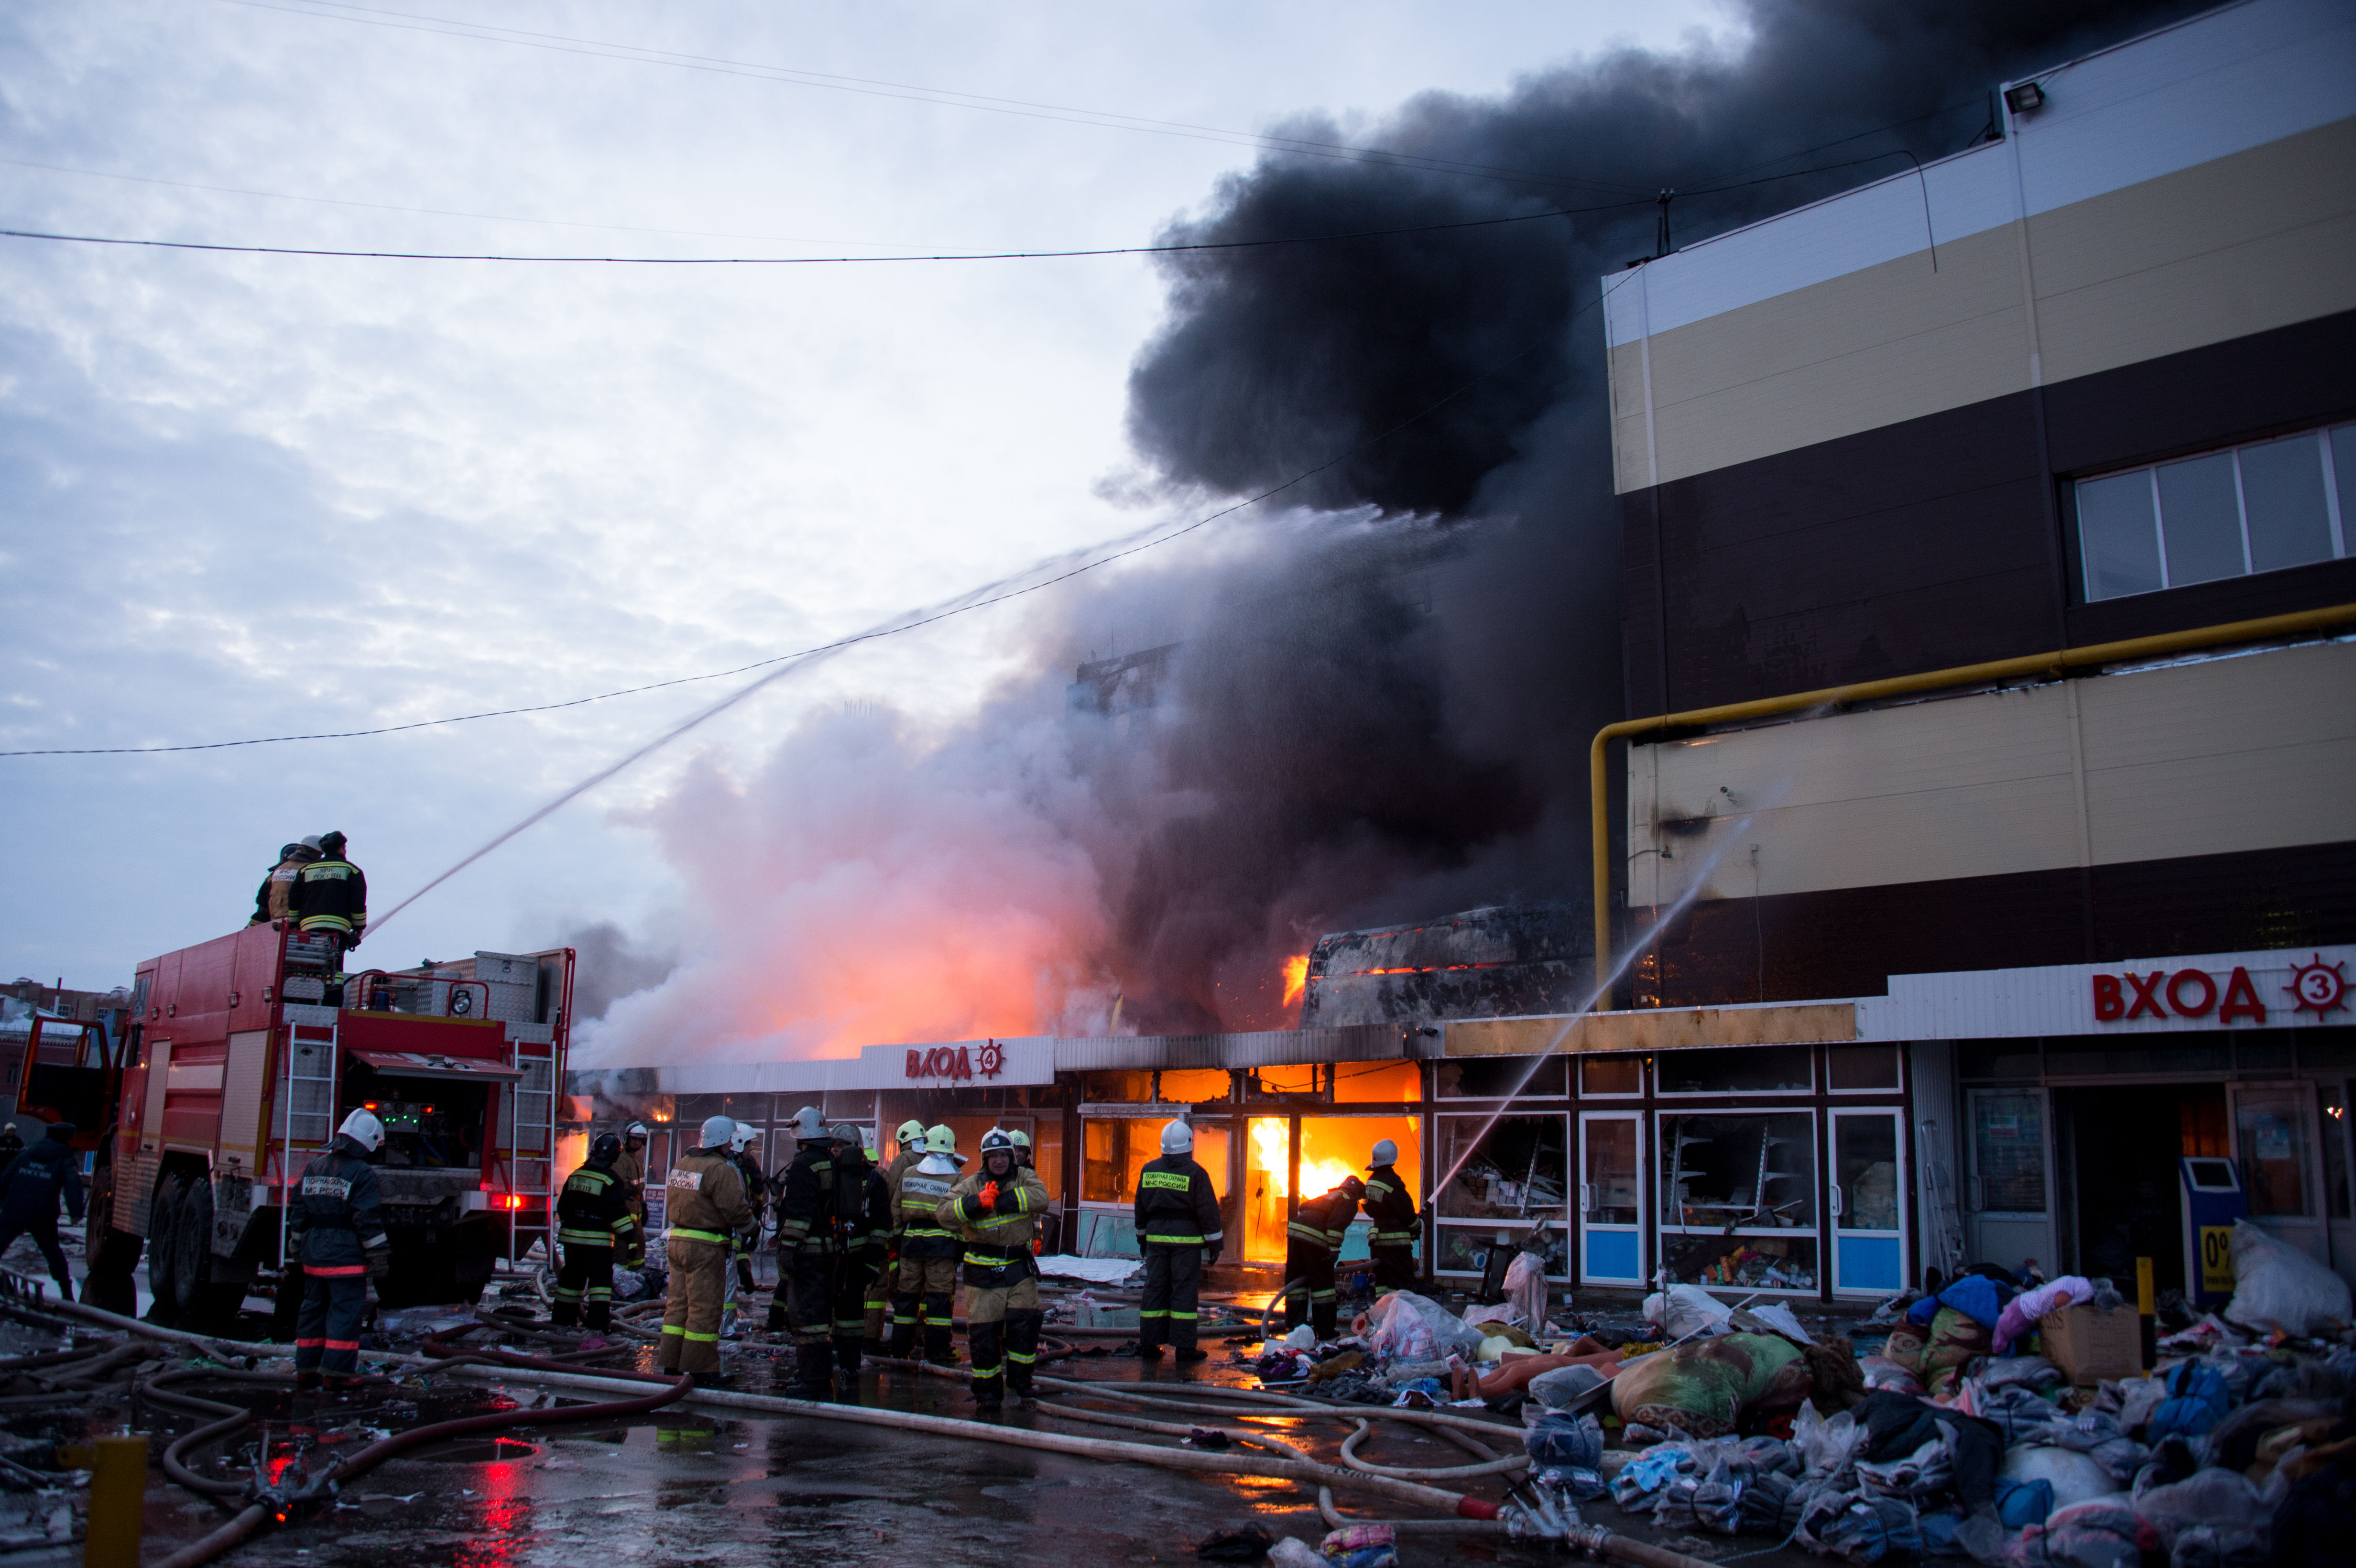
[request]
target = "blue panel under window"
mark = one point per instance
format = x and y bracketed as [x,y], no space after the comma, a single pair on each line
[1871,1262]
[1611,1254]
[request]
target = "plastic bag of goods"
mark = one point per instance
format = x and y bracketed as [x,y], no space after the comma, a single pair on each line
[1361,1546]
[2275,1286]
[2100,1534]
[1684,1309]
[1557,1439]
[2221,1501]
[1409,1327]
[1557,1389]
[2076,1478]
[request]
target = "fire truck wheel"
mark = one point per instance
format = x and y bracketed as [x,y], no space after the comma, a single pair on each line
[162,1219]
[113,1253]
[192,1237]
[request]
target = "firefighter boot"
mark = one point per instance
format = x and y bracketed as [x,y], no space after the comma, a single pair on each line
[938,1325]
[813,1371]
[1022,1352]
[847,1347]
[984,1341]
[904,1315]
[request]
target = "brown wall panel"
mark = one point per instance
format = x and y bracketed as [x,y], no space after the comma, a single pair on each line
[1847,942]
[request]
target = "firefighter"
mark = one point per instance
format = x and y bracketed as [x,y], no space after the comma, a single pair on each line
[883,1295]
[993,1211]
[806,1257]
[331,900]
[863,1235]
[928,1252]
[11,1144]
[740,1277]
[630,1174]
[594,1222]
[336,1231]
[1178,1229]
[705,1204]
[35,1180]
[1312,1243]
[1391,1209]
[270,901]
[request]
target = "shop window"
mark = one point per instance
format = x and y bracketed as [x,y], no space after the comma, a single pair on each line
[1192,1086]
[2335,1148]
[1047,1154]
[1753,1070]
[1331,1149]
[2258,507]
[1306,1078]
[2008,1152]
[2275,1171]
[1465,1249]
[1739,1199]
[1611,1075]
[1117,1088]
[2194,1056]
[1511,1168]
[1853,1068]
[2200,1128]
[1497,1077]
[1378,1083]
[1268,1159]
[1115,1149]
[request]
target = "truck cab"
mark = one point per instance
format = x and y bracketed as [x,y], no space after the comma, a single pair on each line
[244,1055]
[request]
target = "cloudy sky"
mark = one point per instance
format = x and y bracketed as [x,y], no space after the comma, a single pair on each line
[251,496]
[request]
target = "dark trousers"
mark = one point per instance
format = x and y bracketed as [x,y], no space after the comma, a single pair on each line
[1174,1290]
[1309,1286]
[327,1329]
[1394,1269]
[853,1273]
[587,1277]
[805,1290]
[927,1288]
[45,1236]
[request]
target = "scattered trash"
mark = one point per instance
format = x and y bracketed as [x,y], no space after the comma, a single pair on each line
[1246,1544]
[1290,1553]
[2276,1287]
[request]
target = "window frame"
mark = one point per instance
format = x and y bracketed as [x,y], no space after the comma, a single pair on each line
[2340,525]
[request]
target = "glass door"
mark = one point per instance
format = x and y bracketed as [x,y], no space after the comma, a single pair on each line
[1868,1210]
[2276,1144]
[2008,1190]
[1611,1198]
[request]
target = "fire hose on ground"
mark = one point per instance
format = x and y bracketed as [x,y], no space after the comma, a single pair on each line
[1528,1519]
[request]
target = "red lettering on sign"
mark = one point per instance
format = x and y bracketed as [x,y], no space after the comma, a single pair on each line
[2146,995]
[2241,999]
[2110,1002]
[964,1063]
[916,1063]
[2176,992]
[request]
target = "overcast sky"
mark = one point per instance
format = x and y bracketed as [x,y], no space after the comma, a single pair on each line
[245,495]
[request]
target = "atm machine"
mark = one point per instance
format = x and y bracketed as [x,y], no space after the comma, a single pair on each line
[2213,1201]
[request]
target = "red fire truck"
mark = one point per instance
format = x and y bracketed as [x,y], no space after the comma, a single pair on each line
[244,1054]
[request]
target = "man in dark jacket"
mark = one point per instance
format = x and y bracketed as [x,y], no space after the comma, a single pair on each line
[1391,1207]
[594,1220]
[29,1191]
[274,900]
[336,1231]
[1312,1241]
[863,1231]
[806,1251]
[1178,1229]
[330,897]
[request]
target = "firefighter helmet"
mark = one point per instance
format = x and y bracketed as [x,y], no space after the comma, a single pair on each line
[911,1133]
[362,1128]
[846,1133]
[1353,1186]
[809,1126]
[636,1132]
[745,1134]
[1386,1153]
[941,1140]
[717,1131]
[1177,1137]
[1021,1139]
[996,1139]
[605,1150]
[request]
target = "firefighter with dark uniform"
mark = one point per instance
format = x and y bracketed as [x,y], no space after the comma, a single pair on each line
[804,1302]
[1391,1209]
[1312,1241]
[928,1252]
[705,1204]
[863,1235]
[335,1227]
[993,1213]
[270,901]
[1178,1228]
[594,1222]
[909,1141]
[331,900]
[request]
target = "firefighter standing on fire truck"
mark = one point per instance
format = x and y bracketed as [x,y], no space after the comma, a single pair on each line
[994,1211]
[1391,1209]
[1179,1231]
[270,901]
[336,1229]
[928,1252]
[705,1203]
[806,1248]
[330,898]
[594,1222]
[1312,1241]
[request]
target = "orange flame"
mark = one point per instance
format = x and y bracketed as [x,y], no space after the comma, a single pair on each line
[1269,1137]
[1296,978]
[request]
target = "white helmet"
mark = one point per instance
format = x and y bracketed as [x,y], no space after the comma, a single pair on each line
[718,1130]
[635,1130]
[809,1126]
[362,1128]
[1386,1153]
[1177,1137]
[745,1134]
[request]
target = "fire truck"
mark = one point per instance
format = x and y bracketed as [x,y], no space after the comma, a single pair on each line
[243,1055]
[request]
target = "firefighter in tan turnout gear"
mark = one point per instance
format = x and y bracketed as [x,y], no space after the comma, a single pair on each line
[994,1211]
[928,1252]
[706,1205]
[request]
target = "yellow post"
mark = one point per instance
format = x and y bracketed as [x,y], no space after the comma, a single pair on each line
[2147,1314]
[118,1498]
[2144,1304]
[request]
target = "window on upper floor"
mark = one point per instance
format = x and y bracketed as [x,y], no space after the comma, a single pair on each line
[2261,507]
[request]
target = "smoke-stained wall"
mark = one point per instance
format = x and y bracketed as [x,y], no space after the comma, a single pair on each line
[1380,706]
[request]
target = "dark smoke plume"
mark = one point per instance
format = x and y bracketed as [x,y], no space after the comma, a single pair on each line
[1363,758]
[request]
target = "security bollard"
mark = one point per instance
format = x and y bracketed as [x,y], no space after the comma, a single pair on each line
[118,1499]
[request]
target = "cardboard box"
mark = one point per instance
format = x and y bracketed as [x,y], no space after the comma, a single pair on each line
[2088,1346]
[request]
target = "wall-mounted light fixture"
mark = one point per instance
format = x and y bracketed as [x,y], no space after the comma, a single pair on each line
[2025,99]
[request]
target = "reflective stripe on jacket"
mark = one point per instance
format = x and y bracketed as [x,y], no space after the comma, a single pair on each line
[1176,1205]
[594,1212]
[704,1197]
[1390,1209]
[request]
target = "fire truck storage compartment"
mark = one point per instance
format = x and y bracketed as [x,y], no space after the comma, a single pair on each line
[437,1113]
